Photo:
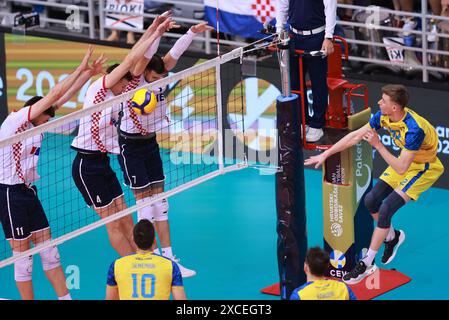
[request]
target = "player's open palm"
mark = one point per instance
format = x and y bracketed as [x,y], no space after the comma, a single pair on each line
[85,62]
[201,27]
[97,66]
[316,161]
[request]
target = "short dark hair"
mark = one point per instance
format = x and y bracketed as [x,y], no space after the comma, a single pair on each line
[397,93]
[318,261]
[50,111]
[128,76]
[144,234]
[156,64]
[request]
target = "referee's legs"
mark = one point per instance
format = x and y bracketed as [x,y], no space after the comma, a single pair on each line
[318,76]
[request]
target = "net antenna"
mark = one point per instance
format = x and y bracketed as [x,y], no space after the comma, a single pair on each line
[199,119]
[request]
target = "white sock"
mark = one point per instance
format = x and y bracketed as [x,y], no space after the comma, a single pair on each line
[167,252]
[369,258]
[66,297]
[391,234]
[157,251]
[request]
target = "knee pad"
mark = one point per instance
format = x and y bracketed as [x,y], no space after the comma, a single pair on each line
[374,198]
[160,210]
[147,212]
[50,258]
[388,208]
[23,268]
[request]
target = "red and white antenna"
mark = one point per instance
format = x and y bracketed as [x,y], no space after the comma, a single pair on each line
[218,31]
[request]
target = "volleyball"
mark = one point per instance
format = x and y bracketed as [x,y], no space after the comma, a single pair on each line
[143,102]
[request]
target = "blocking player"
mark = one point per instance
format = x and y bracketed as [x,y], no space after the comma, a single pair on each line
[144,275]
[415,170]
[21,213]
[91,169]
[317,286]
[139,157]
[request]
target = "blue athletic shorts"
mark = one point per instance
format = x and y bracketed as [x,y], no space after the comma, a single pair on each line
[95,179]
[141,162]
[21,212]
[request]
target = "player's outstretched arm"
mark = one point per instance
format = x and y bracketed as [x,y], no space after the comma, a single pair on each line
[135,55]
[95,68]
[399,164]
[178,293]
[139,68]
[348,141]
[61,88]
[183,43]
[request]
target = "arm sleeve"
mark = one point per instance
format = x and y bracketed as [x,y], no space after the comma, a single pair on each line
[152,49]
[375,121]
[295,295]
[351,293]
[330,10]
[414,139]
[182,45]
[111,275]
[176,276]
[282,14]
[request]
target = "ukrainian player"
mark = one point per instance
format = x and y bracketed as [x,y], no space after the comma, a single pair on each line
[317,286]
[21,213]
[144,275]
[91,169]
[407,177]
[139,157]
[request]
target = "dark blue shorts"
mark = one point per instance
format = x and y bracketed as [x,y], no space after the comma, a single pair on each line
[21,212]
[141,162]
[95,179]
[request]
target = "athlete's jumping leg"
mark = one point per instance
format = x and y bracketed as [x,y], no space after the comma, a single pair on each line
[23,269]
[51,264]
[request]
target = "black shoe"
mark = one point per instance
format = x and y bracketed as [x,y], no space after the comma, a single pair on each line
[360,272]
[391,247]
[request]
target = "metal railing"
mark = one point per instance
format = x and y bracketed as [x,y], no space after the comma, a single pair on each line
[422,34]
[98,8]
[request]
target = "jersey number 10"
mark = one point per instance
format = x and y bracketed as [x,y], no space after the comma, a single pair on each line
[143,285]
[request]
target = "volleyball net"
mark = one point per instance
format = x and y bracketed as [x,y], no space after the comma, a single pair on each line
[197,143]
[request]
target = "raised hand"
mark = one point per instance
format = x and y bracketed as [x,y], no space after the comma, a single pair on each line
[97,66]
[168,24]
[201,27]
[84,65]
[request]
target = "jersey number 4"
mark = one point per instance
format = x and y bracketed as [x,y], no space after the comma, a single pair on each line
[144,285]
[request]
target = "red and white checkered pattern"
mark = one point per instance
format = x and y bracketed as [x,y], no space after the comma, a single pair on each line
[17,152]
[133,84]
[96,116]
[264,10]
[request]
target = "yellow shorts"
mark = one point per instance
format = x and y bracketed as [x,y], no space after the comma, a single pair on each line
[418,178]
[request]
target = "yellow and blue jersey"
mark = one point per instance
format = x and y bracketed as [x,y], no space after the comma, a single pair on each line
[323,290]
[412,133]
[144,277]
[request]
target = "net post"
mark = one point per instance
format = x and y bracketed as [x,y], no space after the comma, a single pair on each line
[290,190]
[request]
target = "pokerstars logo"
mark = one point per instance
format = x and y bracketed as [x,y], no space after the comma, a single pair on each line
[336,229]
[337,259]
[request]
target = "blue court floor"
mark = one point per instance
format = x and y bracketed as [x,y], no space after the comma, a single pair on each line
[225,229]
